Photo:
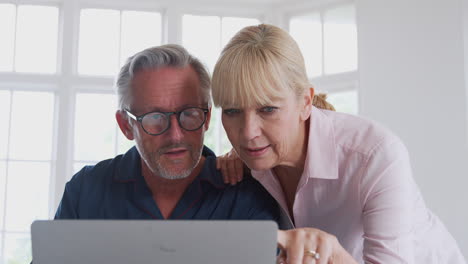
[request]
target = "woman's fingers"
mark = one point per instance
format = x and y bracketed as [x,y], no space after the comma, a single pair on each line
[293,247]
[224,170]
[309,245]
[324,252]
[281,258]
[231,167]
[282,240]
[239,169]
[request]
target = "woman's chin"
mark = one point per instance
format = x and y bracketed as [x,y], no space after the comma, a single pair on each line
[258,165]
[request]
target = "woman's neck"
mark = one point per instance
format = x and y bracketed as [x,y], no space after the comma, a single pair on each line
[294,161]
[289,173]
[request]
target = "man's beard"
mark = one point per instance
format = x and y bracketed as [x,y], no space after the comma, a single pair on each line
[169,174]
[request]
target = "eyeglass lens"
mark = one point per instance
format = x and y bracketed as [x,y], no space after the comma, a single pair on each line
[189,119]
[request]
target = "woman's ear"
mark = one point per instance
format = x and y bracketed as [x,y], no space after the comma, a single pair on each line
[307,99]
[124,124]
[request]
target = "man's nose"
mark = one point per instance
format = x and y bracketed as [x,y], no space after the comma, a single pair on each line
[175,131]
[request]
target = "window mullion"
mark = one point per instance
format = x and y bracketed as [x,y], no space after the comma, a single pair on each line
[64,108]
[119,48]
[3,231]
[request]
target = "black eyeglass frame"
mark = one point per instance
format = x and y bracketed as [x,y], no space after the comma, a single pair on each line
[139,119]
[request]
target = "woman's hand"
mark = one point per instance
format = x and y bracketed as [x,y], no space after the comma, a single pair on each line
[306,245]
[231,167]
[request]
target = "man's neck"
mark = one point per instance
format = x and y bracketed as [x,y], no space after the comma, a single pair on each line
[167,193]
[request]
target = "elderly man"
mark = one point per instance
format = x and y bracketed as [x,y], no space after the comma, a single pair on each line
[164,106]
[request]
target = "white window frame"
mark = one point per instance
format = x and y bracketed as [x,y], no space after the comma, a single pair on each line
[66,83]
[329,83]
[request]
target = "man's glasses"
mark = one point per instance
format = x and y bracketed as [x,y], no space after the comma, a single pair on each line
[156,123]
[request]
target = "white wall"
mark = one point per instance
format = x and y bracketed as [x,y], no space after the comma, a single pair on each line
[411,78]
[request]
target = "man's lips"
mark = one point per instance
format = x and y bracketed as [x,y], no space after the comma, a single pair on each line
[176,151]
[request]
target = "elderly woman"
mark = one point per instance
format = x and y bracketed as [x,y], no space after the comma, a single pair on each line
[344,183]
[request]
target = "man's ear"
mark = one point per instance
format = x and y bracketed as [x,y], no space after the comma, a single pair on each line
[307,99]
[208,118]
[124,124]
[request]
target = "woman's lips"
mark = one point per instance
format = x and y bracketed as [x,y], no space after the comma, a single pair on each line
[256,152]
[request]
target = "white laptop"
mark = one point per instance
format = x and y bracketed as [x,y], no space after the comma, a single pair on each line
[145,242]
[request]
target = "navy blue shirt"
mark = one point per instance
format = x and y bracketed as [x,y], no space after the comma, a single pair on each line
[116,189]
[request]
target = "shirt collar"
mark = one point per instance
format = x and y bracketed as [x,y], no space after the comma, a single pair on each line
[129,168]
[321,160]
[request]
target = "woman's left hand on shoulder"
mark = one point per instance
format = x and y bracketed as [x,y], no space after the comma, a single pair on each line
[231,166]
[306,245]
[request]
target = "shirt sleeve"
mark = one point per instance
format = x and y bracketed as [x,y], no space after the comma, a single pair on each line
[68,207]
[387,192]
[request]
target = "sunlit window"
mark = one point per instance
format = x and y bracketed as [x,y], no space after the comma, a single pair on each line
[206,45]
[307,31]
[7,31]
[109,37]
[346,102]
[340,40]
[29,38]
[327,39]
[97,135]
[25,168]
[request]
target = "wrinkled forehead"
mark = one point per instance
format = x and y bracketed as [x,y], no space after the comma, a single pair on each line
[165,88]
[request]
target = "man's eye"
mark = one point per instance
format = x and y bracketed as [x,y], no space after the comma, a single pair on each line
[268,109]
[231,111]
[156,116]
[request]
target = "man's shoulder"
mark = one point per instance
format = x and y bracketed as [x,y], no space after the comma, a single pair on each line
[103,169]
[248,188]
[247,199]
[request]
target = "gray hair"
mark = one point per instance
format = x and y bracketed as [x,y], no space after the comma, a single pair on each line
[170,55]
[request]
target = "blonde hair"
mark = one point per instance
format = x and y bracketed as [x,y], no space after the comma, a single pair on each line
[256,65]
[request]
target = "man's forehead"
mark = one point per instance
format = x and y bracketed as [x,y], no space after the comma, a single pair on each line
[166,72]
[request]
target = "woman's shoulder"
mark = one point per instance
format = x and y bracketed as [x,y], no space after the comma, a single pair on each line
[359,134]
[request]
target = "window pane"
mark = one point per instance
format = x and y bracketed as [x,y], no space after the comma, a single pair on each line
[204,44]
[31,125]
[95,126]
[27,195]
[212,136]
[216,138]
[140,30]
[307,31]
[7,31]
[98,52]
[346,102]
[340,40]
[17,248]
[36,39]
[225,143]
[231,25]
[2,194]
[4,120]
[124,143]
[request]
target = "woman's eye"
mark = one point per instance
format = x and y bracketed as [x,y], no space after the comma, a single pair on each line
[268,109]
[231,111]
